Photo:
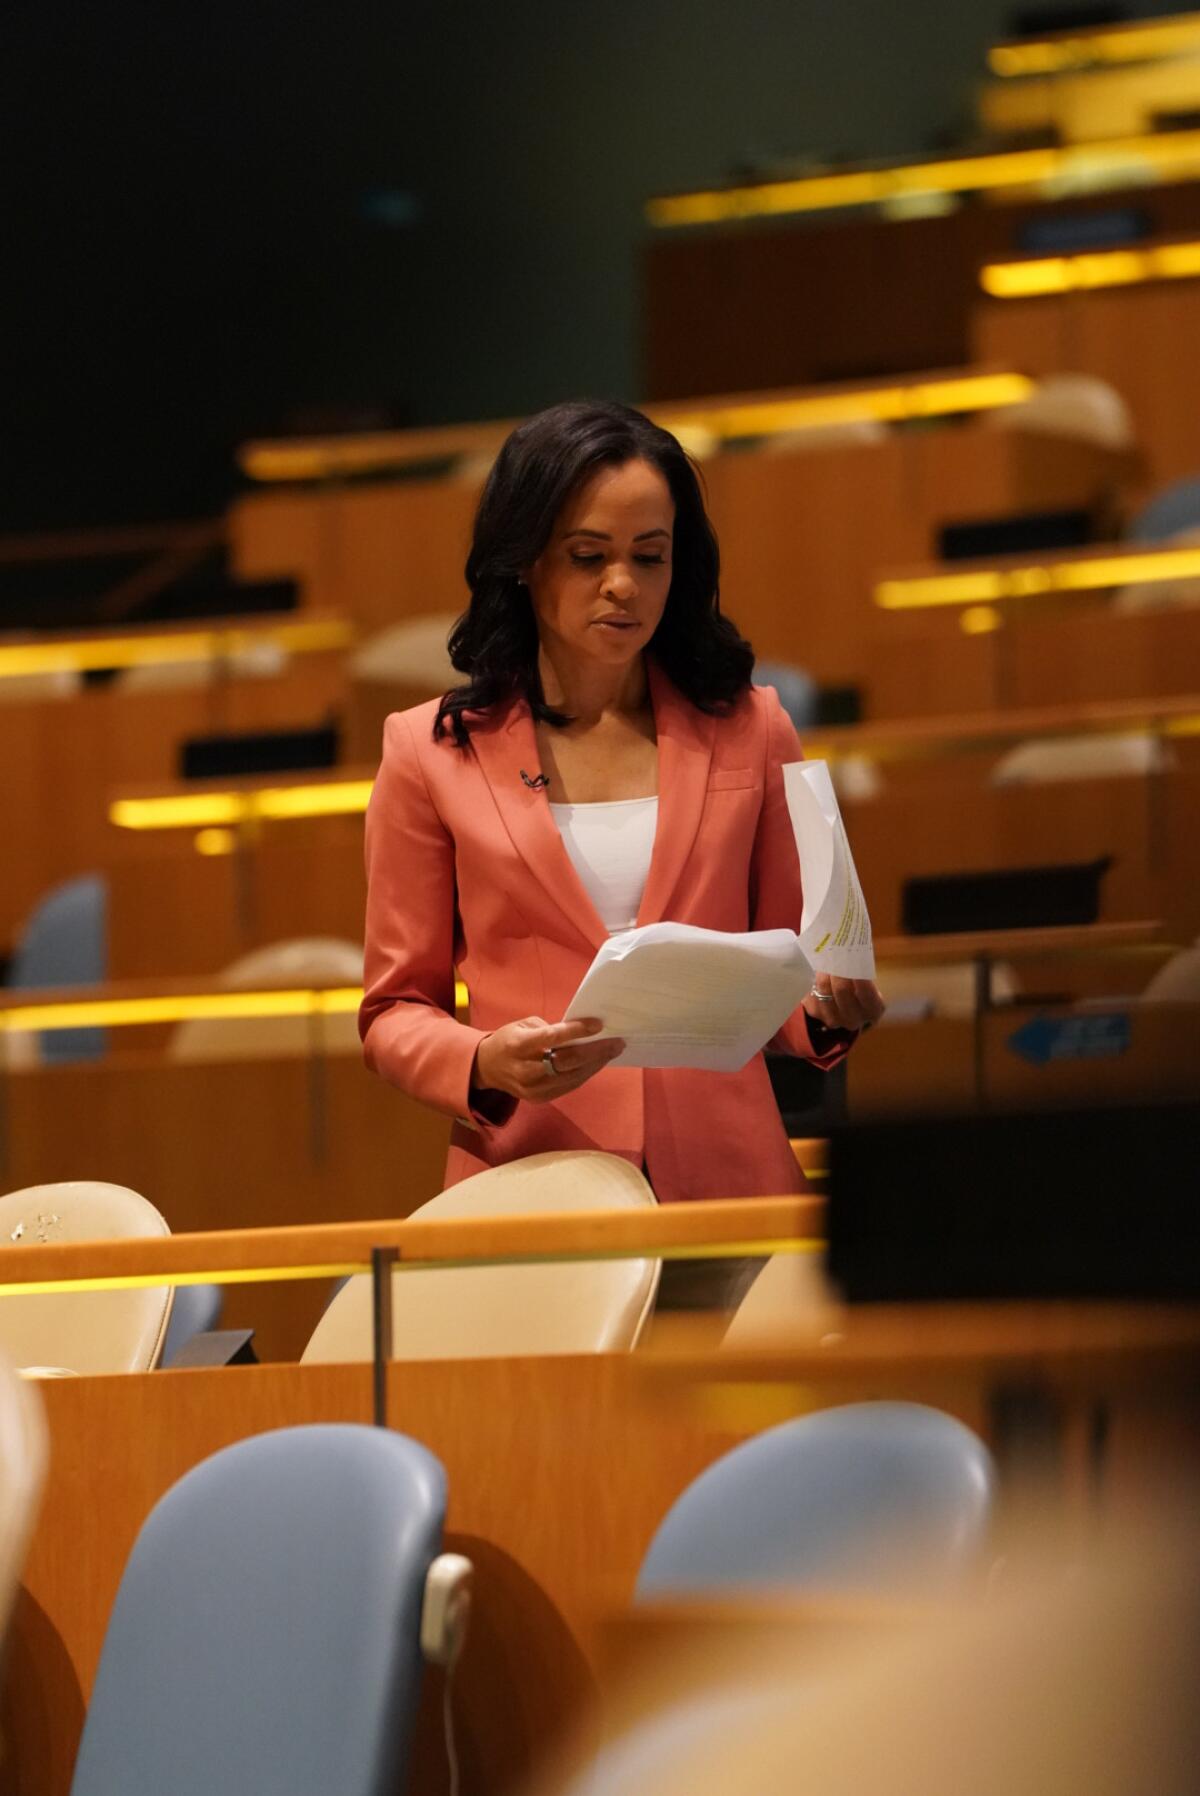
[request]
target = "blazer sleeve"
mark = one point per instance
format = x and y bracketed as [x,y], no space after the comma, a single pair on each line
[409,1031]
[776,893]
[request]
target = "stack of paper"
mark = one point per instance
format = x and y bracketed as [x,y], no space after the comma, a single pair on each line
[683,996]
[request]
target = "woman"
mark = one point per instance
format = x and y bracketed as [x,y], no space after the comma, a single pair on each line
[608,762]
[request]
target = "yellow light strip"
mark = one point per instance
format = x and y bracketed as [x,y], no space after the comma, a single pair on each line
[264,1275]
[925,398]
[1179,36]
[1172,155]
[888,404]
[120,1013]
[78,654]
[1103,268]
[991,585]
[117,1013]
[200,810]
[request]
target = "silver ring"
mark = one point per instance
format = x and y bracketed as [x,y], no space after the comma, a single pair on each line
[548,1062]
[820,996]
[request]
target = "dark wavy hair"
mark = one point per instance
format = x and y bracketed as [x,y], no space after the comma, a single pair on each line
[544,461]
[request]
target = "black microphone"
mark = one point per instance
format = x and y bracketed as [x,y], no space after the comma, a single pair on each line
[535,781]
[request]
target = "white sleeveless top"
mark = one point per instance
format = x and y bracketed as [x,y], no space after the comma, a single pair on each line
[610,847]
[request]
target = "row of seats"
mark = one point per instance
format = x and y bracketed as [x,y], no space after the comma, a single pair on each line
[593,1307]
[252,1646]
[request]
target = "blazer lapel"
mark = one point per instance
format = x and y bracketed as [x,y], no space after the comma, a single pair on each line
[685,746]
[503,750]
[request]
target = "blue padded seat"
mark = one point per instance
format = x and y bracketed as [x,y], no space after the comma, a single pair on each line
[65,942]
[866,1497]
[1172,511]
[266,1633]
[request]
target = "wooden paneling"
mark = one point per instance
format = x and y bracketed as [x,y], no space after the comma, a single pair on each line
[175,912]
[62,759]
[395,549]
[1136,338]
[906,1068]
[803,535]
[822,298]
[969,826]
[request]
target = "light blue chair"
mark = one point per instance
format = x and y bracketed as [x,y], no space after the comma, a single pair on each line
[796,690]
[1169,513]
[65,942]
[196,1310]
[266,1633]
[874,1497]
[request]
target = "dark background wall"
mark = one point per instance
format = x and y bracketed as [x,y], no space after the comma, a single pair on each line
[242,218]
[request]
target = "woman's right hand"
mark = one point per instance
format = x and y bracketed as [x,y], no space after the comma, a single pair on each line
[511,1059]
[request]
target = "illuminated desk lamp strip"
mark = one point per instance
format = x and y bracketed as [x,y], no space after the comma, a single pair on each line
[993,585]
[1097,268]
[890,404]
[1152,41]
[199,810]
[78,654]
[924,398]
[181,1007]
[1124,161]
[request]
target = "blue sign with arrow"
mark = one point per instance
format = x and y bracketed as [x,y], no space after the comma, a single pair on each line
[1094,1035]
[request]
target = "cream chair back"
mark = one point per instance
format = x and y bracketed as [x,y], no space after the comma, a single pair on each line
[1070,405]
[22,1468]
[410,654]
[791,1294]
[597,1306]
[1131,754]
[324,960]
[82,1331]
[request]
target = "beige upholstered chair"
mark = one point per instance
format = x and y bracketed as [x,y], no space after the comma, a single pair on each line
[1132,754]
[411,654]
[83,1331]
[316,959]
[790,1293]
[22,1468]
[1178,982]
[1070,405]
[596,1306]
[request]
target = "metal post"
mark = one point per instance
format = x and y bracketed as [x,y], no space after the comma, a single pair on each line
[382,1261]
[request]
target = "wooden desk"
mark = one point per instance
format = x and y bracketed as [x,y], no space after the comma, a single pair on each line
[958,1063]
[557,1518]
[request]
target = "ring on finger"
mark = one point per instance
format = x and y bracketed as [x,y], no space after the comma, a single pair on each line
[548,1061]
[820,996]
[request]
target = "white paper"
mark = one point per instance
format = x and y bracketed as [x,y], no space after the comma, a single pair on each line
[682,996]
[835,930]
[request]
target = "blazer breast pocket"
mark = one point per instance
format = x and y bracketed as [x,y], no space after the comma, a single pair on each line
[732,779]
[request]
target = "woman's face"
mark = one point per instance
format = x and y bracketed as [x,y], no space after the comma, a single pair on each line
[600,585]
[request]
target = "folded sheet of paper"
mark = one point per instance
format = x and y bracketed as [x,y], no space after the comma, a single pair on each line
[683,996]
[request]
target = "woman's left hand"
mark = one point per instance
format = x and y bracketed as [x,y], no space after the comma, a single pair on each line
[850,1003]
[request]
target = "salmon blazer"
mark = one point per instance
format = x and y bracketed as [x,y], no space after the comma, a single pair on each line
[466,869]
